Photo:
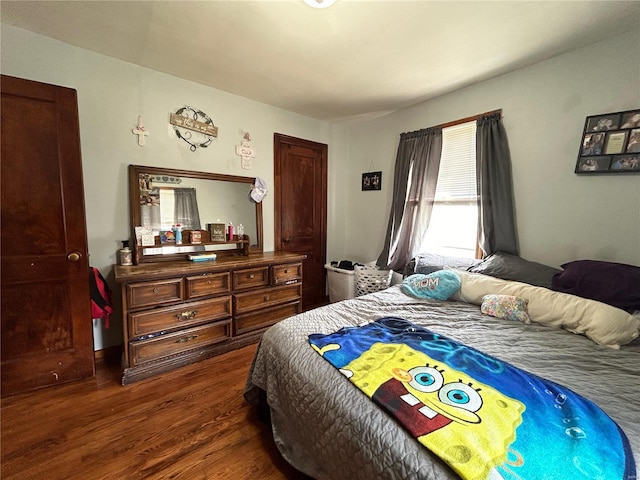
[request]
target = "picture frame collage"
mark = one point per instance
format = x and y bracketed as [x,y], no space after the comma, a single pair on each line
[610,143]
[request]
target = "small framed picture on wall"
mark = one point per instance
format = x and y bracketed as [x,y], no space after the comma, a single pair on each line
[625,163]
[610,143]
[633,145]
[594,164]
[372,181]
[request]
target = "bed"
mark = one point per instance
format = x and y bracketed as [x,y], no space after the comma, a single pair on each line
[328,429]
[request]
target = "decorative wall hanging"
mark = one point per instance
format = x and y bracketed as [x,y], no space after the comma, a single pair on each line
[246,151]
[610,143]
[372,181]
[258,190]
[140,131]
[165,179]
[194,127]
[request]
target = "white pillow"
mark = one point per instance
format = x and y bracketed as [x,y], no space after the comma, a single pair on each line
[602,323]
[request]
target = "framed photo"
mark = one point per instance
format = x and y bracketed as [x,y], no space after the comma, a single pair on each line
[633,145]
[594,164]
[592,143]
[610,143]
[631,119]
[372,181]
[625,163]
[145,237]
[218,232]
[604,122]
[615,142]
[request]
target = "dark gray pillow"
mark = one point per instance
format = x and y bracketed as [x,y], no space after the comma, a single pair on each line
[409,268]
[511,267]
[430,262]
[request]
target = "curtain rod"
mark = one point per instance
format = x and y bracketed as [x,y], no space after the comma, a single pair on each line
[458,122]
[468,119]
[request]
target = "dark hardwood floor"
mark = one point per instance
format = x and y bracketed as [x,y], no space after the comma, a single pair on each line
[189,424]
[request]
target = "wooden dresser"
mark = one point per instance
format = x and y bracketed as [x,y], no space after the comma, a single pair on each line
[179,312]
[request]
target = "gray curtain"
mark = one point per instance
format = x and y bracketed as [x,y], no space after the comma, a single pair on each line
[414,188]
[496,217]
[186,208]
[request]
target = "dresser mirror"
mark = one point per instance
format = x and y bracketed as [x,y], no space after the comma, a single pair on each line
[201,203]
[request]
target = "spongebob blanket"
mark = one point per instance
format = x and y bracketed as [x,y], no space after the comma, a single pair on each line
[484,417]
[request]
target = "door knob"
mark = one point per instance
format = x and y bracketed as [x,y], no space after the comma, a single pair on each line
[286,240]
[74,256]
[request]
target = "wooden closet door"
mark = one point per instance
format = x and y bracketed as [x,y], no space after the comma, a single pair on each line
[47,335]
[300,186]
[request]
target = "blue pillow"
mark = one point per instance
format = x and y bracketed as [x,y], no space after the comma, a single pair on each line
[438,285]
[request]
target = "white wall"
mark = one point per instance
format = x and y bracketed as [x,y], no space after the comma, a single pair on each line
[111,95]
[561,216]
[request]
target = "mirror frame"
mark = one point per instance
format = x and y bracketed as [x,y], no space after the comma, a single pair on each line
[256,245]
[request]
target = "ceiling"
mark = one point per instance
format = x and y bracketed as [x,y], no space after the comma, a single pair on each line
[355,59]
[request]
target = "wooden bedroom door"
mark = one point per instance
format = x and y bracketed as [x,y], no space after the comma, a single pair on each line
[47,334]
[300,177]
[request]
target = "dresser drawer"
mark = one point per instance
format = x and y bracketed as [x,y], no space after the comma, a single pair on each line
[267,297]
[264,318]
[144,351]
[251,278]
[180,316]
[207,285]
[287,273]
[145,294]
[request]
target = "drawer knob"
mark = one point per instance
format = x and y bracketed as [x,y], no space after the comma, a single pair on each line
[187,315]
[286,270]
[186,338]
[156,290]
[251,276]
[266,298]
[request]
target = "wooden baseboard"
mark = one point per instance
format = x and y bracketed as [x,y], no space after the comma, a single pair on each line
[108,355]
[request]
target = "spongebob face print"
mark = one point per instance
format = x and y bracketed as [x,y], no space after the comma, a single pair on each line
[485,418]
[445,409]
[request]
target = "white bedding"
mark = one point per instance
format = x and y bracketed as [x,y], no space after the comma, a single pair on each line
[600,322]
[328,429]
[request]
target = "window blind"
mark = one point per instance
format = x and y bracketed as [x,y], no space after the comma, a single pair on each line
[457,175]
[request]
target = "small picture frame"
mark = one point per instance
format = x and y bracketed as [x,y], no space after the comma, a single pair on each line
[218,232]
[594,164]
[593,143]
[625,163]
[610,143]
[144,236]
[372,181]
[633,144]
[615,142]
[195,237]
[631,119]
[168,236]
[604,122]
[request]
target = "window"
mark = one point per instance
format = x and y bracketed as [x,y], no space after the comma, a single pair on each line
[453,228]
[167,209]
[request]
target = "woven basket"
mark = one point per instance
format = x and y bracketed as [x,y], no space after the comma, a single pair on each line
[370,279]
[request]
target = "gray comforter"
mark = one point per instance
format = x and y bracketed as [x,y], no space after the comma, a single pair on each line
[328,429]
